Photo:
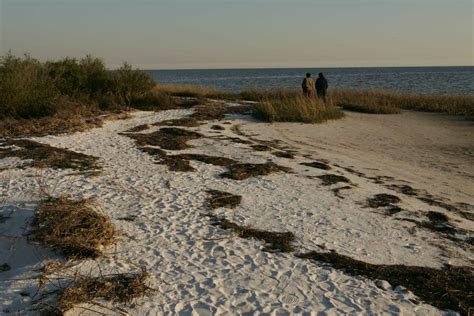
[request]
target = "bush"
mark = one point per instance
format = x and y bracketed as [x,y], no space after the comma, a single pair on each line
[131,83]
[26,89]
[153,101]
[296,109]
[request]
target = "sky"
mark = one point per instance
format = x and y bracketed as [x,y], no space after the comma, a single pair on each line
[187,34]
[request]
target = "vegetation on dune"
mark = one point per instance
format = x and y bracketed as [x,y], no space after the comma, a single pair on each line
[384,102]
[40,98]
[296,109]
[68,94]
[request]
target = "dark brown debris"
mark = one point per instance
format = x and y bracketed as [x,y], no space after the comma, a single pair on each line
[449,288]
[138,128]
[219,199]
[261,147]
[45,156]
[383,200]
[186,121]
[174,163]
[283,154]
[275,241]
[212,160]
[435,202]
[217,128]
[243,171]
[4,267]
[170,138]
[337,191]
[316,164]
[207,112]
[330,179]
[403,189]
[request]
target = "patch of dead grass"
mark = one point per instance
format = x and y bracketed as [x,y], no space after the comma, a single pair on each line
[75,228]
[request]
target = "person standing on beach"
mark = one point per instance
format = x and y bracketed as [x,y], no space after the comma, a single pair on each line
[321,86]
[307,85]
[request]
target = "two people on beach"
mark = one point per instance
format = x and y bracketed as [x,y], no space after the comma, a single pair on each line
[321,86]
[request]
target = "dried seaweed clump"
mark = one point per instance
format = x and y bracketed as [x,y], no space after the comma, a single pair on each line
[330,179]
[275,241]
[219,199]
[170,138]
[42,155]
[243,171]
[449,288]
[119,288]
[316,164]
[383,200]
[73,227]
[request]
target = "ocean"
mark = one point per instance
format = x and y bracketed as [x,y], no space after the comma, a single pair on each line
[412,80]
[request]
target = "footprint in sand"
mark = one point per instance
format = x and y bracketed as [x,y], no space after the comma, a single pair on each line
[290,299]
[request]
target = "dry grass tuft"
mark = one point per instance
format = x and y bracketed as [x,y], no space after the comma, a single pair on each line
[47,156]
[73,227]
[243,171]
[275,241]
[72,116]
[296,109]
[220,199]
[449,288]
[184,91]
[118,288]
[387,103]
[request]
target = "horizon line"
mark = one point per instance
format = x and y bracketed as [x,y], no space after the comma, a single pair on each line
[323,67]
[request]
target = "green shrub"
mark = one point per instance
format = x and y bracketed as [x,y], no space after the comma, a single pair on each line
[130,84]
[26,89]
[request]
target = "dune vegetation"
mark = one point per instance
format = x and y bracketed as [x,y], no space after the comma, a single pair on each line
[69,94]
[39,98]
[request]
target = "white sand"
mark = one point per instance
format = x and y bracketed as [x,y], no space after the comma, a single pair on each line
[199,269]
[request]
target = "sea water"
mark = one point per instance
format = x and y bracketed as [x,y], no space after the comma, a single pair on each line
[412,80]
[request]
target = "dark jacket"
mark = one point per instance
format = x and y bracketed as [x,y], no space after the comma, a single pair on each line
[321,84]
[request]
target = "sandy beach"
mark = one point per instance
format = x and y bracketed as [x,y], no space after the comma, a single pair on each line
[198,268]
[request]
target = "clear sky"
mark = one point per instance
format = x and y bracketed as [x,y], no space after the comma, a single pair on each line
[243,33]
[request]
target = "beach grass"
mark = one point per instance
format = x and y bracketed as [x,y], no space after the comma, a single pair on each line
[384,102]
[296,109]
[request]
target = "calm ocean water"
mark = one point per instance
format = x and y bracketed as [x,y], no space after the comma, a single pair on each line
[417,80]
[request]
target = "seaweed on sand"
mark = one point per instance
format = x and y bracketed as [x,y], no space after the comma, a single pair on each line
[448,288]
[330,179]
[316,164]
[383,200]
[219,199]
[274,241]
[170,138]
[243,171]
[42,155]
